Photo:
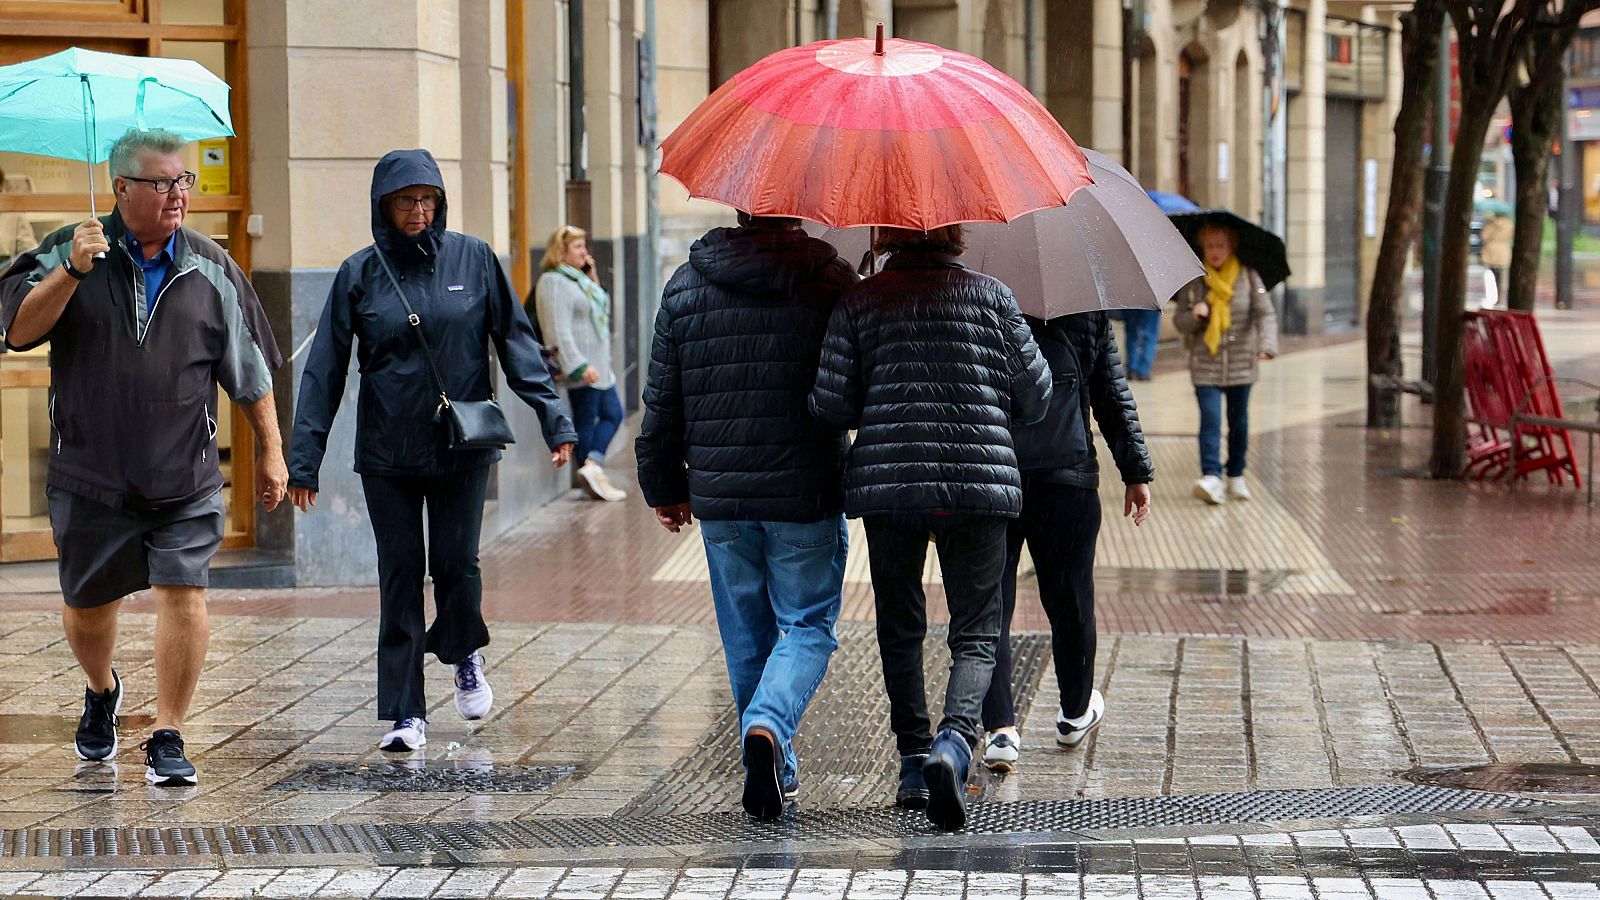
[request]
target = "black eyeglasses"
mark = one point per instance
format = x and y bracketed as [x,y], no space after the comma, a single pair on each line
[165,185]
[406,202]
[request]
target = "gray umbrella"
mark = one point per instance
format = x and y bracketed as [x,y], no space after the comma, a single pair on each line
[1111,247]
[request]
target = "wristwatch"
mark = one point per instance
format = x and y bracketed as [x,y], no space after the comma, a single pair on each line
[75,273]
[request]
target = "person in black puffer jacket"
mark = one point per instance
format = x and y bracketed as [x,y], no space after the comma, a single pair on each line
[1061,520]
[933,364]
[727,437]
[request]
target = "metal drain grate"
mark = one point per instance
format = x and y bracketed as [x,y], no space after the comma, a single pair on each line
[729,827]
[846,750]
[424,777]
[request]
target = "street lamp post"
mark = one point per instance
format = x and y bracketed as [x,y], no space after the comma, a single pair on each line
[1433,204]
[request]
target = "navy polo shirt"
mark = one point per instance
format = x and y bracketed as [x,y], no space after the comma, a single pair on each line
[155,270]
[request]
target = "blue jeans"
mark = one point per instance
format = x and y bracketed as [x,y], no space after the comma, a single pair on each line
[777,588]
[596,415]
[1144,331]
[1210,399]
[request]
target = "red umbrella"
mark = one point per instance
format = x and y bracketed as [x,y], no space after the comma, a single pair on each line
[863,132]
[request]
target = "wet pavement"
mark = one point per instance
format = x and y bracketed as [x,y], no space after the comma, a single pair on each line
[1362,683]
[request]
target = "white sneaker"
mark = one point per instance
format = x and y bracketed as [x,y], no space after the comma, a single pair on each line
[473,694]
[406,735]
[1000,749]
[1072,732]
[1209,489]
[1237,489]
[597,484]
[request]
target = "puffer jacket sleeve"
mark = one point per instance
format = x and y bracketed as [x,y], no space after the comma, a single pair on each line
[1263,316]
[837,397]
[1183,317]
[1030,374]
[322,382]
[519,354]
[1116,413]
[661,448]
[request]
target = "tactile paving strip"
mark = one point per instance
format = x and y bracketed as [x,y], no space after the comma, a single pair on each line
[727,827]
[846,750]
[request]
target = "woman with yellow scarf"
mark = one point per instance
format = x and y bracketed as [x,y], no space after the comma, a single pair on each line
[1229,326]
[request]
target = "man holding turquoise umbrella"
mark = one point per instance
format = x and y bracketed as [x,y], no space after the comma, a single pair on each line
[140,339]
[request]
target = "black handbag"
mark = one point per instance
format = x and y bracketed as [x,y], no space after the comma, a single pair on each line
[468,424]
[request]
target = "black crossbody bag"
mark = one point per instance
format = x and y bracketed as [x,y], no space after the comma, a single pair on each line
[468,424]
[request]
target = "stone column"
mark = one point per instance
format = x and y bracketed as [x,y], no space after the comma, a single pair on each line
[1303,304]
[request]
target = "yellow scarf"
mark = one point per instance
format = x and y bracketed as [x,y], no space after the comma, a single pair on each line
[1219,294]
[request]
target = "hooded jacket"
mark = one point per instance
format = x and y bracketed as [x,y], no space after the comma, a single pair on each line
[737,338]
[1087,377]
[458,289]
[133,385]
[934,365]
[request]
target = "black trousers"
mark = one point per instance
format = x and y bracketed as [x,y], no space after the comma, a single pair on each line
[1061,524]
[971,554]
[454,506]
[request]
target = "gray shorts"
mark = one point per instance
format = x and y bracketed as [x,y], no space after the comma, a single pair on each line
[107,553]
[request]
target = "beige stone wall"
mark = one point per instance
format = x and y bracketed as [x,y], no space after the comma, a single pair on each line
[1307,162]
[322,125]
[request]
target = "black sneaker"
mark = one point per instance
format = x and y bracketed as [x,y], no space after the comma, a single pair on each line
[763,792]
[164,762]
[97,727]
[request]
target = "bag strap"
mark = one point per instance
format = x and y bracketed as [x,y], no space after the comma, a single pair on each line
[416,325]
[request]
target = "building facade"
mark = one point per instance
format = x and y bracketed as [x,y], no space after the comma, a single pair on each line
[545,112]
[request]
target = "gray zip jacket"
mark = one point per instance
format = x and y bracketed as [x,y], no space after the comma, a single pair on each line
[133,395]
[568,323]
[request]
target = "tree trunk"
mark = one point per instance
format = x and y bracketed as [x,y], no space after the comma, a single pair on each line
[1449,459]
[1419,58]
[1535,125]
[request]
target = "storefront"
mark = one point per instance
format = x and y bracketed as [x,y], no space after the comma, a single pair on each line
[42,194]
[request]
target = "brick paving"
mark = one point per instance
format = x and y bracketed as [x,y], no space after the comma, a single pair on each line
[1349,624]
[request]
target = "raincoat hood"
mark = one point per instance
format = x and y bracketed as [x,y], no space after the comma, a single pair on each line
[397,170]
[759,261]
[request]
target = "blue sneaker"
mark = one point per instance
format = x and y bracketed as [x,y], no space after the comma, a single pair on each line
[913,792]
[946,775]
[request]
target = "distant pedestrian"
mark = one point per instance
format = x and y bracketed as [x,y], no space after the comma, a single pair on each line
[145,319]
[463,303]
[727,437]
[1496,253]
[1060,522]
[933,365]
[1229,326]
[574,314]
[1143,328]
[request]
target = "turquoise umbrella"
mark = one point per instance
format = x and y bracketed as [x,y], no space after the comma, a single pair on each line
[76,103]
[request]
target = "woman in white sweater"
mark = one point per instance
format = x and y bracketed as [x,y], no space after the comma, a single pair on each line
[575,315]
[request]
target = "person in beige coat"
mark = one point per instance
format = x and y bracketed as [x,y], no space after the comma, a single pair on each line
[1229,326]
[1496,252]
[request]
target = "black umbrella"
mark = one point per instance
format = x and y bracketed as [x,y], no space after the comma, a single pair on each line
[1259,248]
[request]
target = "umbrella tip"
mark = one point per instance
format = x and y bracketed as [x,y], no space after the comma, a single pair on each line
[879,50]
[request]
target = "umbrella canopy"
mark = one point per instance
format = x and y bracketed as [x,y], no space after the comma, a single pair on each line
[1173,203]
[1259,248]
[885,132]
[76,103]
[1110,248]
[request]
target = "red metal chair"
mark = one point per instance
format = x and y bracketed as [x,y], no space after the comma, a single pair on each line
[1510,382]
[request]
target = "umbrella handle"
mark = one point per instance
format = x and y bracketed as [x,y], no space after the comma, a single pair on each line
[88,140]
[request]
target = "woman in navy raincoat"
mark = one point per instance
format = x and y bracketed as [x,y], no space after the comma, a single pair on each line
[458,289]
